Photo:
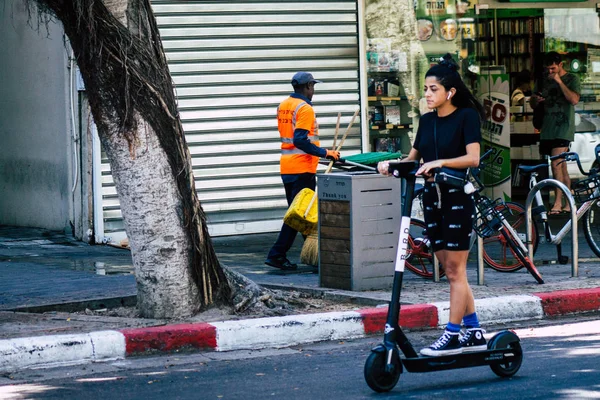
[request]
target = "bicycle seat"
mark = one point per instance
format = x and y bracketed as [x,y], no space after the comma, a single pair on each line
[527,169]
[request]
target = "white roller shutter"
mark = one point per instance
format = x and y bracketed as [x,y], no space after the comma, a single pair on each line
[232,62]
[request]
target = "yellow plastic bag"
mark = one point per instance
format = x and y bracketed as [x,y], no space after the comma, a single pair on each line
[294,217]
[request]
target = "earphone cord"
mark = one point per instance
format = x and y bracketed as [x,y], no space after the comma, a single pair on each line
[437,187]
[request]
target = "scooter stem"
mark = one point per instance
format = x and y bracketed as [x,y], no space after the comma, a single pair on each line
[393,334]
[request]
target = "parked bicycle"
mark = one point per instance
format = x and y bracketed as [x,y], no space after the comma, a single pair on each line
[495,219]
[586,193]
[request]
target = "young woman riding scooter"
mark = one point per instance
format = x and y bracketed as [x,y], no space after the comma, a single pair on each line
[449,138]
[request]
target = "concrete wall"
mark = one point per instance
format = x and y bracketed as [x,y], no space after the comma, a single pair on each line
[35,144]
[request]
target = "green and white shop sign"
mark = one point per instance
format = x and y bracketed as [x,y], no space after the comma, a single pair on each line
[494,95]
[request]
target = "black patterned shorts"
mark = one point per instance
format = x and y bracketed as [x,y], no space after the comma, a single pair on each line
[449,226]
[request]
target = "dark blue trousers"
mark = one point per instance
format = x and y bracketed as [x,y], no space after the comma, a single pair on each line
[286,237]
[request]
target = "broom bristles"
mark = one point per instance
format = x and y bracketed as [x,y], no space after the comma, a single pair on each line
[310,250]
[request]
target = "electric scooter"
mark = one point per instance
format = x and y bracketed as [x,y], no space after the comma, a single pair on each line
[384,365]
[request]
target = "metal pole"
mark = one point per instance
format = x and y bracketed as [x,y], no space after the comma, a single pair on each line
[480,264]
[436,268]
[574,239]
[574,233]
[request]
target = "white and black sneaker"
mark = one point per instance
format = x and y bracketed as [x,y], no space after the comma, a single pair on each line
[473,340]
[447,344]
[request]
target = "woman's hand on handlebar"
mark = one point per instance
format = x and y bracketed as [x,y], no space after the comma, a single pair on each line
[383,167]
[428,168]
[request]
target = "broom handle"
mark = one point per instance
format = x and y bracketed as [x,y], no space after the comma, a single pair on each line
[347,131]
[355,164]
[330,166]
[337,130]
[312,201]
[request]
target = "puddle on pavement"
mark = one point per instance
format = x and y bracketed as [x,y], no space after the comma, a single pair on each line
[104,268]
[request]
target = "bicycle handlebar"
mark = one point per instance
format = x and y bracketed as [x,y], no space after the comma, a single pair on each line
[570,156]
[482,158]
[485,155]
[474,172]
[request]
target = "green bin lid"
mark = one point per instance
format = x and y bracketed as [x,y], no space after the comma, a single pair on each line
[372,158]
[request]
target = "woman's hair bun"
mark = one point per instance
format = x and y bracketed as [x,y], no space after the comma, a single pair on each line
[449,62]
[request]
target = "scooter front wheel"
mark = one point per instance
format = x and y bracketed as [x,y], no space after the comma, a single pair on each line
[375,372]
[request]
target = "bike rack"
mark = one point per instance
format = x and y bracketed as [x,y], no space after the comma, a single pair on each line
[480,263]
[529,221]
[436,269]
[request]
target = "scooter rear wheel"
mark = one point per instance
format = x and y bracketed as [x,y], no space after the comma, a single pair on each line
[510,368]
[377,378]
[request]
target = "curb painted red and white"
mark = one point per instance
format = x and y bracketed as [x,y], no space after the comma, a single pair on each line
[276,332]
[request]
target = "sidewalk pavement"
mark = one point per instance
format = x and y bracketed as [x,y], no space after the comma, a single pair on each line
[46,276]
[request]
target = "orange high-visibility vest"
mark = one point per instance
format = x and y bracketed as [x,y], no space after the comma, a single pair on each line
[292,114]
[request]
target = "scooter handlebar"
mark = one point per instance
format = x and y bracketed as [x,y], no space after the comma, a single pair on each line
[403,169]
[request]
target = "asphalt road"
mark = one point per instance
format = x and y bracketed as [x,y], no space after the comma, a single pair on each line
[561,361]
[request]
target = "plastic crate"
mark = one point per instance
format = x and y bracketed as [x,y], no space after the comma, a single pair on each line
[295,218]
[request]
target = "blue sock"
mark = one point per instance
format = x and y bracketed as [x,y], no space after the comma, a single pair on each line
[471,321]
[454,328]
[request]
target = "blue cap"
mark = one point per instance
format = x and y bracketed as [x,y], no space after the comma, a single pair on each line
[302,78]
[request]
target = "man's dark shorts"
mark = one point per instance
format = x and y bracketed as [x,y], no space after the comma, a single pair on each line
[546,146]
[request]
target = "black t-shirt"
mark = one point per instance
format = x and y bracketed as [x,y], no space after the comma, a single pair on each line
[454,133]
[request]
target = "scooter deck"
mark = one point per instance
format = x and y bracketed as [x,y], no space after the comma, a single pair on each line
[462,360]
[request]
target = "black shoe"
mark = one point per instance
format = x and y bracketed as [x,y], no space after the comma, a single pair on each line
[447,344]
[281,263]
[473,340]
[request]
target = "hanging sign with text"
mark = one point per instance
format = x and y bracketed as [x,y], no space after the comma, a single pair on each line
[495,134]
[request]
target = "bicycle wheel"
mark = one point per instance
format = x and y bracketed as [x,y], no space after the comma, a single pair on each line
[523,259]
[496,252]
[420,255]
[591,228]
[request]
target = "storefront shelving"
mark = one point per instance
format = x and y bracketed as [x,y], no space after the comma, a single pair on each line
[388,113]
[510,38]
